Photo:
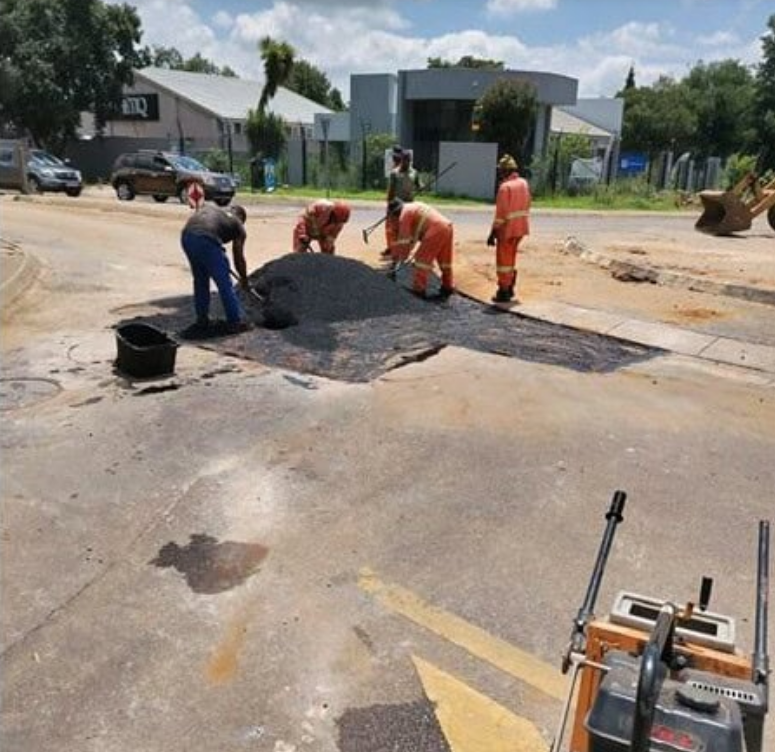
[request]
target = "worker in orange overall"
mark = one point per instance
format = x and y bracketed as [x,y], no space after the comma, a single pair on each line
[511,224]
[322,220]
[420,223]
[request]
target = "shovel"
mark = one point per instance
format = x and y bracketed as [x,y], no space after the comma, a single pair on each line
[275,316]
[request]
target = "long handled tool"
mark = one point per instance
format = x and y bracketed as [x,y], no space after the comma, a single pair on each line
[368,230]
[275,316]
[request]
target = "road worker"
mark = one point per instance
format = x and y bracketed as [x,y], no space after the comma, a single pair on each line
[420,223]
[322,220]
[510,225]
[402,183]
[203,239]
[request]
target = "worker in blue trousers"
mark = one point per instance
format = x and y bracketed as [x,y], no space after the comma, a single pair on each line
[203,239]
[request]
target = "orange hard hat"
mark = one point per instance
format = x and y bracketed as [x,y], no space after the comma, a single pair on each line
[341,212]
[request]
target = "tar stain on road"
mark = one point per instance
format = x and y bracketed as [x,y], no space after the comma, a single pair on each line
[212,567]
[409,727]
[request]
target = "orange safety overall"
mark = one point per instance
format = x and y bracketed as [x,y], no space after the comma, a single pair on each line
[420,223]
[317,222]
[511,224]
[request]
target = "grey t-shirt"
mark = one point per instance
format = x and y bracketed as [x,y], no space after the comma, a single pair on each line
[216,224]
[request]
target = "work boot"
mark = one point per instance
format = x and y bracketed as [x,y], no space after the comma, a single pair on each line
[445,292]
[503,295]
[237,327]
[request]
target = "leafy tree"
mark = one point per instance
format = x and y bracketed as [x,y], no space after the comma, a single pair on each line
[764,99]
[630,82]
[507,112]
[658,117]
[170,57]
[722,97]
[278,60]
[467,61]
[375,146]
[64,57]
[309,81]
[265,132]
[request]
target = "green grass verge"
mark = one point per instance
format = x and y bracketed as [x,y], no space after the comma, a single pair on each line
[603,201]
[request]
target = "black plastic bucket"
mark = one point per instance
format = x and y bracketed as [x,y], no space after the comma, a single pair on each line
[144,351]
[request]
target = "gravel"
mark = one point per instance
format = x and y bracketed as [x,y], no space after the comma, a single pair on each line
[354,324]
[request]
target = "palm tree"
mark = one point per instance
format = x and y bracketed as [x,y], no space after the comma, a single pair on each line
[278,60]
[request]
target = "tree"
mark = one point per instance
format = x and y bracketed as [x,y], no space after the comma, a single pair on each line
[65,57]
[507,112]
[265,132]
[467,61]
[310,82]
[170,57]
[630,82]
[278,60]
[657,118]
[764,99]
[722,96]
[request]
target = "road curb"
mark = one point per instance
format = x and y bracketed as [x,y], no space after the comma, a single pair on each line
[20,280]
[654,275]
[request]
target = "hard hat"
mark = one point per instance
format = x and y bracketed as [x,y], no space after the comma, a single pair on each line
[341,212]
[507,162]
[394,206]
[397,151]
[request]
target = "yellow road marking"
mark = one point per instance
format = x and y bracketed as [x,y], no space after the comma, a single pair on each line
[472,722]
[499,653]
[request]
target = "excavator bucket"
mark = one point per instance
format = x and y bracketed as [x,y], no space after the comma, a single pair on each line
[724,213]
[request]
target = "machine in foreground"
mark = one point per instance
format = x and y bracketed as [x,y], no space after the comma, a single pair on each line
[656,677]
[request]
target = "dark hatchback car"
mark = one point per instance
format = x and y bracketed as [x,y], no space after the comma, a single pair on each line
[45,172]
[164,174]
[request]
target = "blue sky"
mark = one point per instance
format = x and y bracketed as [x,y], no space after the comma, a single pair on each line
[592,40]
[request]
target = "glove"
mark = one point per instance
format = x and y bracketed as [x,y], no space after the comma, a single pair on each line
[491,238]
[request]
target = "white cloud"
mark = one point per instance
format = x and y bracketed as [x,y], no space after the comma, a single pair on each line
[511,7]
[348,36]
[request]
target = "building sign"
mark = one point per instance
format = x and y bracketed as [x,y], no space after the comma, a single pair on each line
[139,107]
[632,163]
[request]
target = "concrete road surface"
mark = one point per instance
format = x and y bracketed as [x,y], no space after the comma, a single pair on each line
[239,558]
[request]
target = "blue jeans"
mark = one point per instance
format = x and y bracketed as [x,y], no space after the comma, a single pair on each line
[208,260]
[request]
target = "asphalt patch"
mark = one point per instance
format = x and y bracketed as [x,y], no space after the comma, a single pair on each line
[354,324]
[407,727]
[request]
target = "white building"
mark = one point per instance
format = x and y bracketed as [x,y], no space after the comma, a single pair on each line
[195,111]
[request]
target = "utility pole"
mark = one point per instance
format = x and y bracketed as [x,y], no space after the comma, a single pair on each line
[325,123]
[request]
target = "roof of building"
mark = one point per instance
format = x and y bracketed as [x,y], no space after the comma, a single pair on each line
[231,98]
[564,122]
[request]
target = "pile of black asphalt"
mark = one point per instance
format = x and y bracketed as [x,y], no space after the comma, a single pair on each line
[355,324]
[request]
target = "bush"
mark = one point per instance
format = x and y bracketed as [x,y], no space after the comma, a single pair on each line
[738,165]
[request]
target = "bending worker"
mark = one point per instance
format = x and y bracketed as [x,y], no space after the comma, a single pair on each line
[511,224]
[203,239]
[420,223]
[322,220]
[402,183]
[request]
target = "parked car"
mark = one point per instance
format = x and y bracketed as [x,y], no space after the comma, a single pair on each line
[45,172]
[164,174]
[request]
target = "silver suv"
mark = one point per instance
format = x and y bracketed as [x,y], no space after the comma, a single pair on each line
[45,172]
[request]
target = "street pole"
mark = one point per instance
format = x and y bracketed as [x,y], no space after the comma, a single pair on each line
[325,122]
[229,146]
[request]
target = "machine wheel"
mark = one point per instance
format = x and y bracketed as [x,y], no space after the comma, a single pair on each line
[34,184]
[73,192]
[222,201]
[771,217]
[124,191]
[183,194]
[159,198]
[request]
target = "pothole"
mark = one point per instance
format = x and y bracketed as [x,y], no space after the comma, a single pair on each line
[355,325]
[24,391]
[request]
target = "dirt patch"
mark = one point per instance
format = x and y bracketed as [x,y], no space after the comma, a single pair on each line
[695,314]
